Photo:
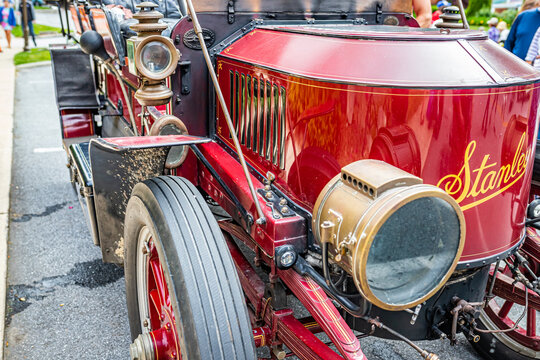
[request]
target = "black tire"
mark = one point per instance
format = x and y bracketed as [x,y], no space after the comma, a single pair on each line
[201,277]
[497,346]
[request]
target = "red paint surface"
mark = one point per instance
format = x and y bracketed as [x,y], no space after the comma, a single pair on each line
[276,232]
[151,141]
[114,93]
[76,123]
[325,313]
[282,326]
[463,140]
[414,62]
[162,323]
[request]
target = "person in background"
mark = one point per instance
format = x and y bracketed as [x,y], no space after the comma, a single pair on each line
[503,31]
[7,19]
[422,9]
[31,17]
[527,5]
[522,31]
[493,32]
[533,55]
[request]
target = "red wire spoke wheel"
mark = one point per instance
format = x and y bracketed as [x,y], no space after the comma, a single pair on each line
[502,312]
[183,294]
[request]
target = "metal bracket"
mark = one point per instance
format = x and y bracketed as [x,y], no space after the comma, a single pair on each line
[230,10]
[280,207]
[185,77]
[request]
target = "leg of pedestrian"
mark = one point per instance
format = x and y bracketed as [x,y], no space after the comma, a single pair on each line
[31,31]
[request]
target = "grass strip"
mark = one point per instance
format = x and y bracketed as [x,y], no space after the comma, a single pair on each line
[38,29]
[33,55]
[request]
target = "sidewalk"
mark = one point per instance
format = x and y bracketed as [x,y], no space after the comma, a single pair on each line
[7,91]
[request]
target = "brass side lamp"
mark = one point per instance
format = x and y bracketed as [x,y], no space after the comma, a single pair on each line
[151,56]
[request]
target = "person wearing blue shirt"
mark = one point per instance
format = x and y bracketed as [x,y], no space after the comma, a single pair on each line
[522,32]
[7,20]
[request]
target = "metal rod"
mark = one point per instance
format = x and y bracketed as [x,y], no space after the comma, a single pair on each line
[425,354]
[60,15]
[111,67]
[492,285]
[68,31]
[243,212]
[516,324]
[462,12]
[198,31]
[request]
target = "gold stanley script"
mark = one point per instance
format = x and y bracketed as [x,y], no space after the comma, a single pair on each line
[488,179]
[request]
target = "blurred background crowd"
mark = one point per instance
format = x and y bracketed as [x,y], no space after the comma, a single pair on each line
[514,24]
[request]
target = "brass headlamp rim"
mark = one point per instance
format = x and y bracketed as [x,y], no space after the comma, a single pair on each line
[171,67]
[370,225]
[158,125]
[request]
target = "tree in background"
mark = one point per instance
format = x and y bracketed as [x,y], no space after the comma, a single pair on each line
[479,12]
[476,5]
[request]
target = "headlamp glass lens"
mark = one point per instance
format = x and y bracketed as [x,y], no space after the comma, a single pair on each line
[413,251]
[155,56]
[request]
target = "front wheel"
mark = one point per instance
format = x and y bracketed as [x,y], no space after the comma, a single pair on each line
[508,340]
[183,294]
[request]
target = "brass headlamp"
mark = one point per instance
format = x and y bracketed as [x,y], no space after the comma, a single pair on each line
[151,56]
[400,239]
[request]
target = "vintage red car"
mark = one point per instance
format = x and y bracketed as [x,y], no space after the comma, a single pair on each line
[239,156]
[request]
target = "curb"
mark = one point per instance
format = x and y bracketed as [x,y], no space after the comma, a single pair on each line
[33,64]
[7,94]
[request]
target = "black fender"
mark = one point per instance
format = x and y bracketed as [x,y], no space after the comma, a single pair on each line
[117,165]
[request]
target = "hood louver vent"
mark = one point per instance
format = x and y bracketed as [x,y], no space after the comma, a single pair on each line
[258,110]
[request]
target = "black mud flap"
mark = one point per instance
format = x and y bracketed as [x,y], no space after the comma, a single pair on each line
[118,164]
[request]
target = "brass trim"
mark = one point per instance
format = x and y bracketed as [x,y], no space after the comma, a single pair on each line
[155,130]
[171,67]
[372,222]
[357,214]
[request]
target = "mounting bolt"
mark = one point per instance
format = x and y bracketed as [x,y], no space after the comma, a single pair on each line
[267,187]
[285,210]
[145,323]
[271,177]
[268,195]
[283,202]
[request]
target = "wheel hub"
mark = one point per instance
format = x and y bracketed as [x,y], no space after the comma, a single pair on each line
[159,339]
[142,348]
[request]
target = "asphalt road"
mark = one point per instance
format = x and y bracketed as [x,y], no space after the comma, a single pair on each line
[63,302]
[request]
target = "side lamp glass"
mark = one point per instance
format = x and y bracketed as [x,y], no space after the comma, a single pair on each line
[156,57]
